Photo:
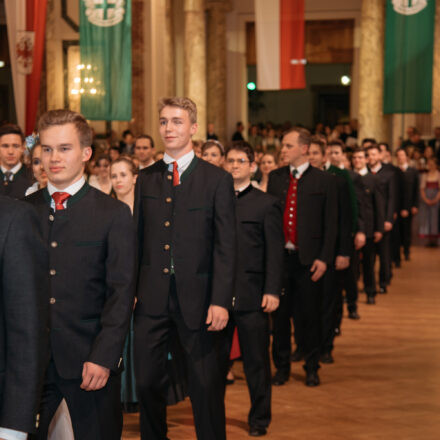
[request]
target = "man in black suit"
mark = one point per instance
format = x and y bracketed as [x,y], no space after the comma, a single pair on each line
[15,178]
[258,280]
[372,219]
[309,200]
[387,186]
[335,276]
[434,143]
[186,225]
[410,196]
[126,146]
[23,318]
[92,252]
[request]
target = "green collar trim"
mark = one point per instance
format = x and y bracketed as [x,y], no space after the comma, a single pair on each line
[71,200]
[190,169]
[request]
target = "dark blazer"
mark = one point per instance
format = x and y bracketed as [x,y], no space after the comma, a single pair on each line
[372,205]
[260,243]
[388,186]
[188,230]
[17,188]
[24,302]
[410,189]
[92,252]
[344,241]
[317,215]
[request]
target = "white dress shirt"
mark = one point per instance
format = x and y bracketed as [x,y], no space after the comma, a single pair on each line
[299,170]
[11,434]
[72,190]
[14,170]
[363,171]
[377,168]
[182,163]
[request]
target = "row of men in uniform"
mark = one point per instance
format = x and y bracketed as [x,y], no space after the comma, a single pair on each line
[206,256]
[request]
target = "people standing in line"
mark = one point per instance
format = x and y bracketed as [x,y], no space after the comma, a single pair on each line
[410,196]
[372,220]
[102,182]
[213,152]
[15,178]
[24,312]
[332,298]
[387,185]
[92,250]
[309,201]
[185,214]
[258,281]
[40,175]
[430,202]
[144,151]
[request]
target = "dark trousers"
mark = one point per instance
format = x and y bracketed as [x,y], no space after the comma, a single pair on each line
[328,310]
[396,241]
[205,361]
[383,249]
[346,281]
[367,263]
[302,299]
[95,415]
[253,334]
[405,234]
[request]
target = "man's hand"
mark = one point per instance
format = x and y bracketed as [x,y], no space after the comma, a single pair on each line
[270,302]
[404,213]
[359,240]
[414,210]
[377,236]
[388,226]
[342,262]
[94,376]
[217,318]
[318,269]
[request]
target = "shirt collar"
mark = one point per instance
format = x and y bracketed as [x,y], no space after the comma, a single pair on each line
[327,165]
[242,188]
[141,167]
[299,170]
[182,163]
[404,167]
[363,171]
[72,189]
[377,168]
[13,170]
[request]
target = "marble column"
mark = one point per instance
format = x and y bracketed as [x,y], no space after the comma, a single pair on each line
[436,70]
[371,118]
[195,60]
[216,69]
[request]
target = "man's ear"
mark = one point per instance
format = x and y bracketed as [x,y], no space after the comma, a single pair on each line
[194,128]
[86,153]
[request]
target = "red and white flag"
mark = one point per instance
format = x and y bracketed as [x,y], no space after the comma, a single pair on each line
[26,23]
[280,37]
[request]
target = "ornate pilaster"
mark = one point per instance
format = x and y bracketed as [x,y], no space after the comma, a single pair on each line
[371,117]
[436,70]
[195,59]
[216,72]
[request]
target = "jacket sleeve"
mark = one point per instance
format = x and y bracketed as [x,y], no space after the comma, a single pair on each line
[379,209]
[344,245]
[224,243]
[330,222]
[274,246]
[360,197]
[120,278]
[25,302]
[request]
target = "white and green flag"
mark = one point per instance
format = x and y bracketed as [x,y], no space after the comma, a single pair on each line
[105,69]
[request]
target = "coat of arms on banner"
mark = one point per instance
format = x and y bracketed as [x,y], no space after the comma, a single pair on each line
[409,7]
[25,51]
[105,13]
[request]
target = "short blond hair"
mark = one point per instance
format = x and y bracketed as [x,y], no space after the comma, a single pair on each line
[54,118]
[180,102]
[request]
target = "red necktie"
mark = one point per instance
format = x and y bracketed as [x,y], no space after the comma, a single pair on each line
[59,198]
[175,174]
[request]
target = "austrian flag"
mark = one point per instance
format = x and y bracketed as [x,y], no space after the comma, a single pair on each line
[280,36]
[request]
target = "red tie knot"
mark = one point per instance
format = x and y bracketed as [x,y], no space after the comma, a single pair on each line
[176,179]
[59,198]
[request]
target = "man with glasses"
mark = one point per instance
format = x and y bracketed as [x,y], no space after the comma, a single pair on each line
[309,200]
[258,280]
